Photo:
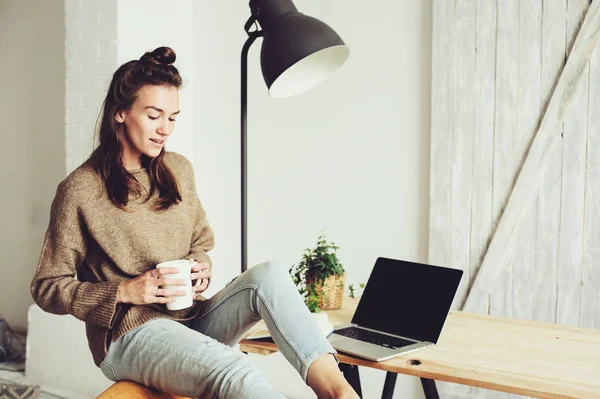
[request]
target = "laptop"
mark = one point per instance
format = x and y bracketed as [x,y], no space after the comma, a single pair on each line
[403,308]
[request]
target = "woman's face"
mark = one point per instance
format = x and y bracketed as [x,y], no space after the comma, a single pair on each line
[148,124]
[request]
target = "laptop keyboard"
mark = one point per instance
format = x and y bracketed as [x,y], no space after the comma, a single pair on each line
[374,337]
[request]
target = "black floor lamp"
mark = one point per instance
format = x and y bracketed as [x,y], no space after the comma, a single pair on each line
[298,52]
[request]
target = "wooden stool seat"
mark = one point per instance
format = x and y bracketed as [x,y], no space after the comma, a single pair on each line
[133,390]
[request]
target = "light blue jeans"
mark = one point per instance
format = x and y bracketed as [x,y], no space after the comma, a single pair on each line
[198,361]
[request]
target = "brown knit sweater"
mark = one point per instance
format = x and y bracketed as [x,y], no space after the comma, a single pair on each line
[104,246]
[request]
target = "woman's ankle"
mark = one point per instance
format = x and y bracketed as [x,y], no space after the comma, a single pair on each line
[326,379]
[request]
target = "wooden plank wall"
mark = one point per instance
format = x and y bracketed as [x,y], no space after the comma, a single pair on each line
[495,66]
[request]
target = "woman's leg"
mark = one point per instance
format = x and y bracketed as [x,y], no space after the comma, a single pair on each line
[173,358]
[266,291]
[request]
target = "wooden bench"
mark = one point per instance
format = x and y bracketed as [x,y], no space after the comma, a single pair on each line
[133,390]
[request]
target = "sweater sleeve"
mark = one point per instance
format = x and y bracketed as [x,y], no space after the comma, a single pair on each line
[54,287]
[203,239]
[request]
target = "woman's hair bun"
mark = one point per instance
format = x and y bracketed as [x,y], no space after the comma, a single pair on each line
[161,55]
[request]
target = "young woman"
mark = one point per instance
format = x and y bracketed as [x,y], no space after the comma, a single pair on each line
[133,205]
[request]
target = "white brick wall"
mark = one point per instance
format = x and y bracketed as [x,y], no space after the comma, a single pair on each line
[91,49]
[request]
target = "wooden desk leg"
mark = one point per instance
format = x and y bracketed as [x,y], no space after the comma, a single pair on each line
[429,388]
[351,375]
[390,384]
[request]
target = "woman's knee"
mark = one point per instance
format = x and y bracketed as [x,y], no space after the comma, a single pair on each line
[269,272]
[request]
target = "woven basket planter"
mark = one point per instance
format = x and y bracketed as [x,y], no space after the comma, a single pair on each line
[331,293]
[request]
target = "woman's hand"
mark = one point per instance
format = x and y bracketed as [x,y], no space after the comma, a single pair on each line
[145,289]
[200,272]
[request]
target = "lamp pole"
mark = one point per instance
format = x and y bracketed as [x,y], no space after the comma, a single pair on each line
[252,36]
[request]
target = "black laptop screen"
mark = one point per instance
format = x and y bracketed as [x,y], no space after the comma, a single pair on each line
[408,299]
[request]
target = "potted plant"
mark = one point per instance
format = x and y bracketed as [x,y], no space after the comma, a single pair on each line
[320,277]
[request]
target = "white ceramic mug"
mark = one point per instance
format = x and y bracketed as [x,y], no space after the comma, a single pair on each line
[185,268]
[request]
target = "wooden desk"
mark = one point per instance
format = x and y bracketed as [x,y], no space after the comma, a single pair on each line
[522,357]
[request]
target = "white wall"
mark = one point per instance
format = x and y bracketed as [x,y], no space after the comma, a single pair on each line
[351,156]
[32,112]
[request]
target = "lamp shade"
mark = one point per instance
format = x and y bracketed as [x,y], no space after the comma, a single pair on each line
[298,52]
